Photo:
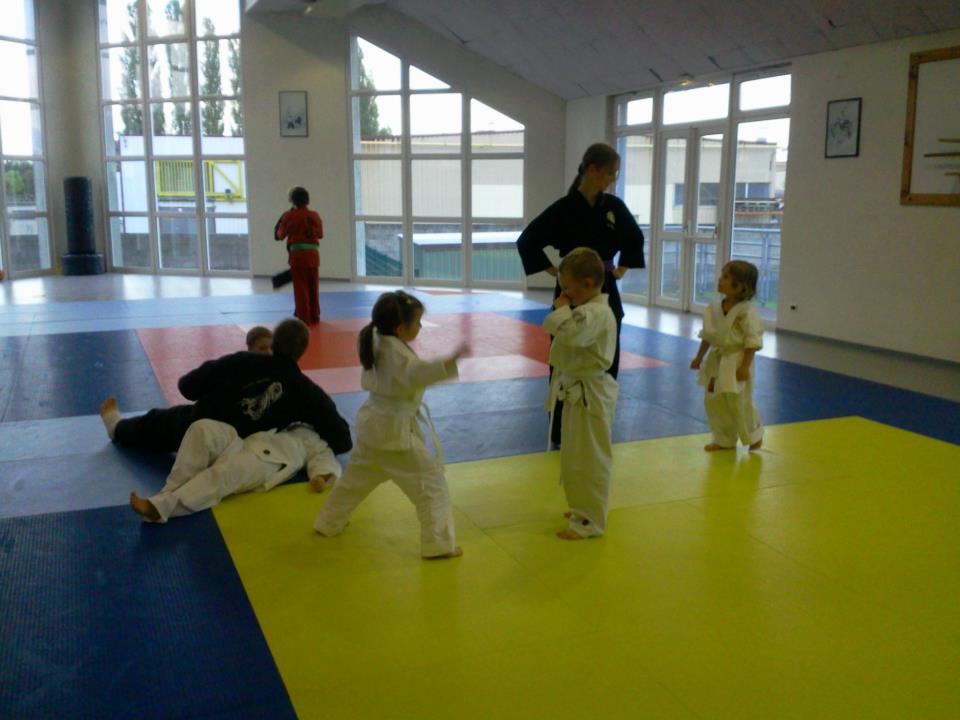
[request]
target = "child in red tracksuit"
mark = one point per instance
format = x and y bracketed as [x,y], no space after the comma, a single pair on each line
[303,228]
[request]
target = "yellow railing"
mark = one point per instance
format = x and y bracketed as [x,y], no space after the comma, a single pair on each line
[175,180]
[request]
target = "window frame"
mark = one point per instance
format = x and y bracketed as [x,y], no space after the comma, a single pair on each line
[407,155]
[6,215]
[659,130]
[194,43]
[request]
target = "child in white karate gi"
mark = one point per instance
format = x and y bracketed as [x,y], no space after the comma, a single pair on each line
[732,332]
[390,442]
[214,462]
[584,333]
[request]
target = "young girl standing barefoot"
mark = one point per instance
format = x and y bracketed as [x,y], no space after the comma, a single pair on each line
[390,442]
[732,333]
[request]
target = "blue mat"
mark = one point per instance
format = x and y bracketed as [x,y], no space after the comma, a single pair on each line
[108,618]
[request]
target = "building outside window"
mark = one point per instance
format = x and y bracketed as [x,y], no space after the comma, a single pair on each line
[437,177]
[170,88]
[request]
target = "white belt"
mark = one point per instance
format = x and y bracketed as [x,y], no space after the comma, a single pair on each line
[419,412]
[568,380]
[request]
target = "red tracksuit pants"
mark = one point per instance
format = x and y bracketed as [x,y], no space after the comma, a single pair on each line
[305,270]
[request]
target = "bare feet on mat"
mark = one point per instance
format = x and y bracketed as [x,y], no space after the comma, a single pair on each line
[144,508]
[568,534]
[110,414]
[456,552]
[757,445]
[319,483]
[713,447]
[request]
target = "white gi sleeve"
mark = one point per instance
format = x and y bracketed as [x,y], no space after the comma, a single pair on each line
[577,328]
[752,329]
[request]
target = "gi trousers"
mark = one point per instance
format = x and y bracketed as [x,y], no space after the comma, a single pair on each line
[586,464]
[160,430]
[305,271]
[417,474]
[212,463]
[733,415]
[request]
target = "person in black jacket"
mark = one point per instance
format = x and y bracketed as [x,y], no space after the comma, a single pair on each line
[588,217]
[249,391]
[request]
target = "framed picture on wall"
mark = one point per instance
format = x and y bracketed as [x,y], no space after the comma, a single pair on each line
[843,128]
[293,113]
[931,145]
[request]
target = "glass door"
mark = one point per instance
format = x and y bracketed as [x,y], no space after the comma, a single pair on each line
[674,218]
[705,222]
[689,229]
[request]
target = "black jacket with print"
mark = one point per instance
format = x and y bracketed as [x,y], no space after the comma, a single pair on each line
[256,392]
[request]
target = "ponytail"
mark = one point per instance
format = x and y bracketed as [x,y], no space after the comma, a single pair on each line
[365,346]
[391,310]
[576,181]
[598,154]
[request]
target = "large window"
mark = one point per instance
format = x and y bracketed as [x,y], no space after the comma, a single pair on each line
[697,203]
[437,177]
[173,135]
[24,221]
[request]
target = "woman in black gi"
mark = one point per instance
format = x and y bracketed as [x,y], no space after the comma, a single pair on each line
[587,217]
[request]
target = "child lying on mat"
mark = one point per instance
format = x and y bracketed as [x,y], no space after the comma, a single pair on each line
[213,462]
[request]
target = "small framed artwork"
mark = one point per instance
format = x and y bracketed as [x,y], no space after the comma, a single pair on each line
[843,128]
[293,113]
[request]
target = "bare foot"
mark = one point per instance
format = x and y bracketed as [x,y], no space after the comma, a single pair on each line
[757,445]
[144,508]
[569,534]
[110,415]
[713,447]
[456,552]
[319,483]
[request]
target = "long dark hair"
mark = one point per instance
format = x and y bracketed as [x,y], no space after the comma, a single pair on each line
[390,310]
[599,154]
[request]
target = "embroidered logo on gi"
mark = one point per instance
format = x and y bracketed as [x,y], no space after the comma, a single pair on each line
[611,219]
[255,407]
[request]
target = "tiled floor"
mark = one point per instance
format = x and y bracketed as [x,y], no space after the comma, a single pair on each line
[816,578]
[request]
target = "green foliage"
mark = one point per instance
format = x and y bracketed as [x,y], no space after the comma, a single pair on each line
[19,182]
[237,111]
[212,113]
[369,113]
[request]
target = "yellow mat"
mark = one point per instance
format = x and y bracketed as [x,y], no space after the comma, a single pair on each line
[818,578]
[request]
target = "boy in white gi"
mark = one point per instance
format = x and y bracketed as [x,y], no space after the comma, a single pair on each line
[584,333]
[214,462]
[732,333]
[390,443]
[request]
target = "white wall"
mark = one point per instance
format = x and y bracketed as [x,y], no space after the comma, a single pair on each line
[289,52]
[587,123]
[858,265]
[66,35]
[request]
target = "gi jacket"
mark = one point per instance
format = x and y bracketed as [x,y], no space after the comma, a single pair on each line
[299,226]
[388,418]
[289,450]
[256,392]
[584,341]
[729,335]
[571,222]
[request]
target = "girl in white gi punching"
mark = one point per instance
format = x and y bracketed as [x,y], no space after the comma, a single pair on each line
[390,442]
[732,333]
[584,333]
